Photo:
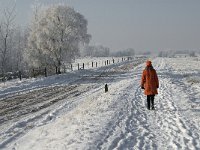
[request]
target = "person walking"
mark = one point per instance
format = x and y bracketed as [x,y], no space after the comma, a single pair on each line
[150,84]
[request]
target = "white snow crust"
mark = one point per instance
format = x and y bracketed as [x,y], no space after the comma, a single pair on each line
[72,111]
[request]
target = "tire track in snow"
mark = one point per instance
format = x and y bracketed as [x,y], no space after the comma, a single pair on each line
[42,116]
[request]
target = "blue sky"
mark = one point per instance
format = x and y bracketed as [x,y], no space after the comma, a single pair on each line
[145,25]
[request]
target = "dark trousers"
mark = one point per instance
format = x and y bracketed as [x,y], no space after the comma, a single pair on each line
[150,101]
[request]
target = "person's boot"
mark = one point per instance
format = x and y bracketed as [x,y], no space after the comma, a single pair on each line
[152,103]
[148,103]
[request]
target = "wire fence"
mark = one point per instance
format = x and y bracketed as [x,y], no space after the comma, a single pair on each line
[47,71]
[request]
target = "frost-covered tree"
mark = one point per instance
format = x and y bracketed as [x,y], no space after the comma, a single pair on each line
[129,52]
[88,50]
[6,36]
[126,52]
[96,51]
[192,54]
[102,51]
[166,53]
[19,44]
[55,36]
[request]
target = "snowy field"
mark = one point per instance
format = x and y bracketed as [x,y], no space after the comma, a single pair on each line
[72,111]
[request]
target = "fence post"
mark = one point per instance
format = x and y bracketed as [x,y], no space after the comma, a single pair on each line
[92,64]
[45,72]
[59,71]
[64,69]
[113,61]
[105,63]
[20,75]
[96,64]
[78,66]
[33,73]
[83,66]
[71,67]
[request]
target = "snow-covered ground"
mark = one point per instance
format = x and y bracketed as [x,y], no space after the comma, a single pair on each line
[72,111]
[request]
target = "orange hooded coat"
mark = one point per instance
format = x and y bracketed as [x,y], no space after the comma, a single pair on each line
[149,80]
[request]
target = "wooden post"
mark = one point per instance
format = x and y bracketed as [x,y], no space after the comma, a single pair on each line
[20,75]
[33,73]
[78,66]
[59,71]
[45,72]
[71,67]
[113,61]
[83,66]
[64,69]
[92,64]
[96,64]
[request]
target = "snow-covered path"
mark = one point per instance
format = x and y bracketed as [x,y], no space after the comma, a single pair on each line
[164,128]
[119,119]
[173,129]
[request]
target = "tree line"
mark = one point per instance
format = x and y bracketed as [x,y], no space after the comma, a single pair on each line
[54,37]
[102,51]
[174,53]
